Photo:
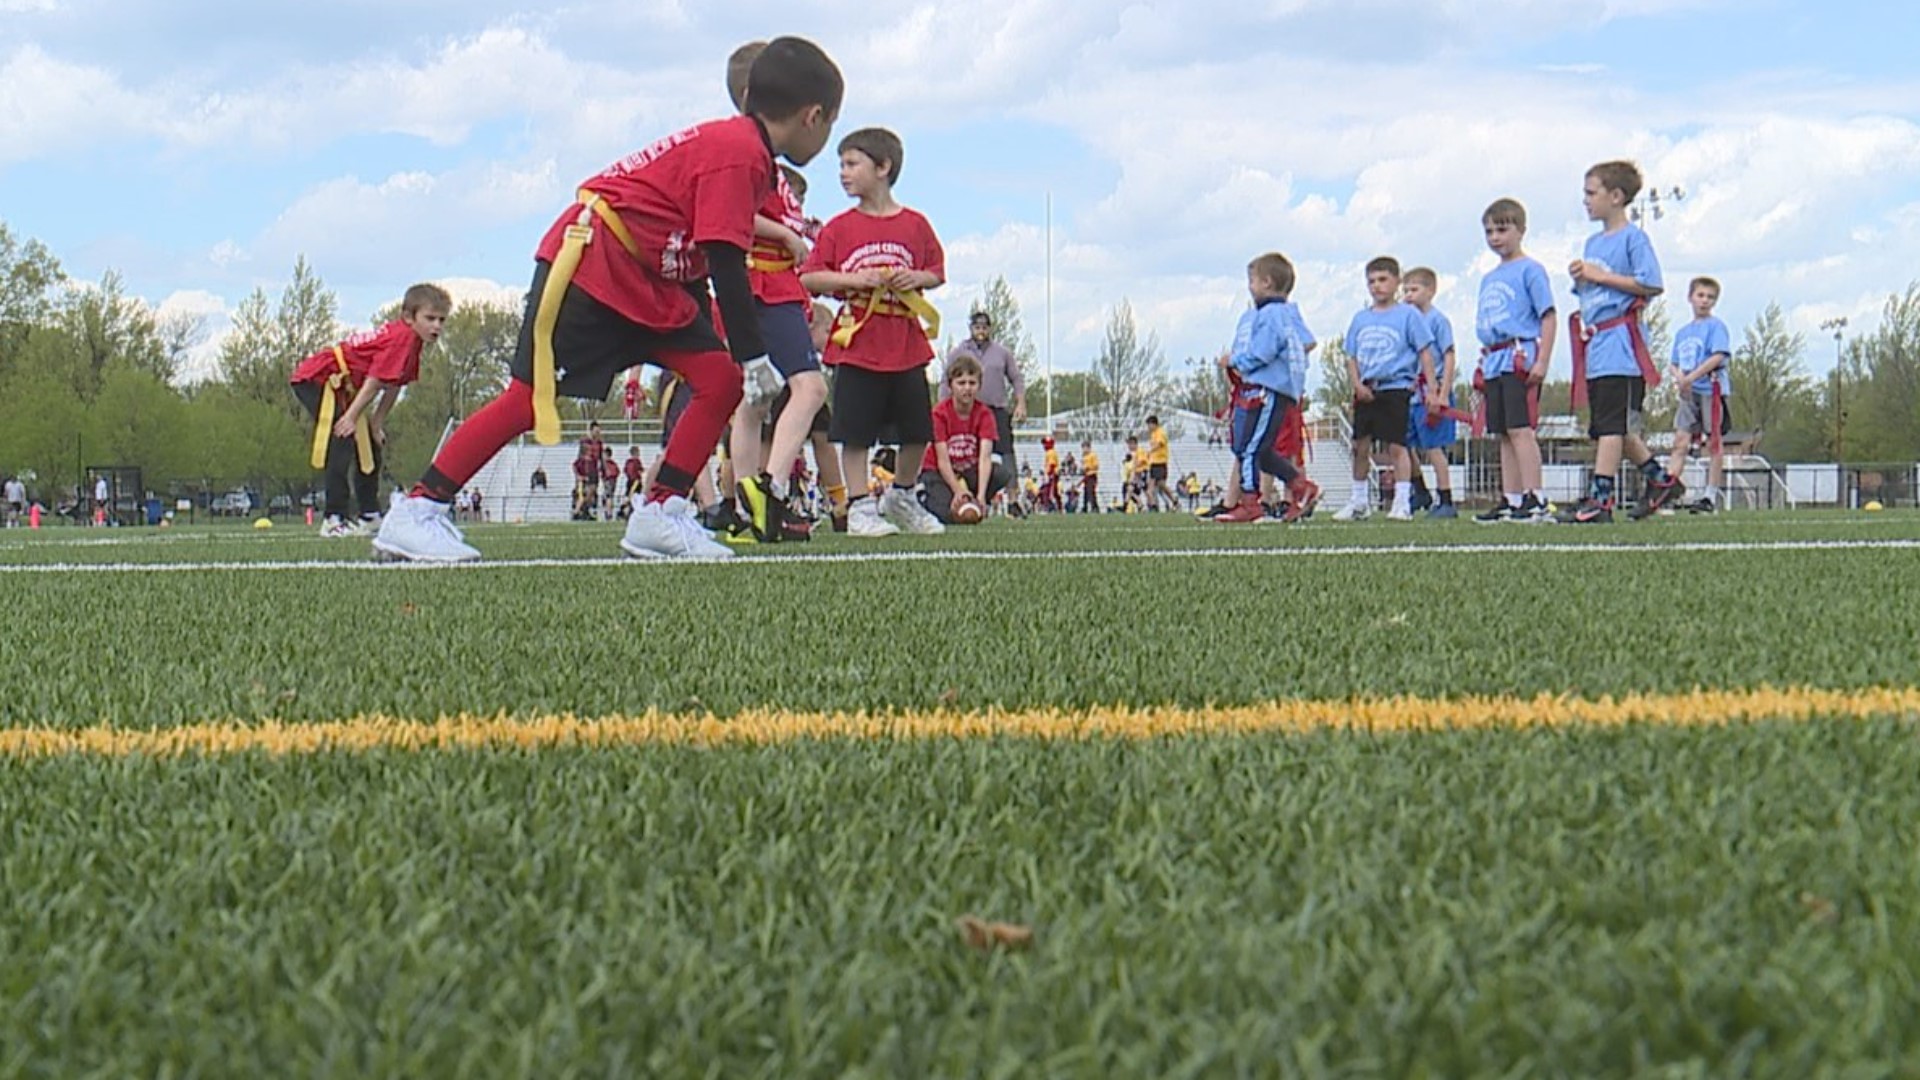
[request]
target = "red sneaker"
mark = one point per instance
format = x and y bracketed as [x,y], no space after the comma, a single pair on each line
[1302,496]
[1248,510]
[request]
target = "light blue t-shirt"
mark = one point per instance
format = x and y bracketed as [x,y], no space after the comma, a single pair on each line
[1696,341]
[1263,347]
[1626,252]
[1303,344]
[1385,345]
[1442,329]
[1515,298]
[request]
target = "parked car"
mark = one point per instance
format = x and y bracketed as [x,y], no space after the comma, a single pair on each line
[235,503]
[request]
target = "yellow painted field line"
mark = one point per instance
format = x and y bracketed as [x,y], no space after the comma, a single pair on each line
[766,726]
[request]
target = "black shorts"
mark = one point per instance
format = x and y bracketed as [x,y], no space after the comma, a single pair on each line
[1509,404]
[1157,472]
[1384,419]
[868,405]
[1614,404]
[593,344]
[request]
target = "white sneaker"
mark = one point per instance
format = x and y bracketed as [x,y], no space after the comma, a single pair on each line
[669,530]
[864,520]
[421,530]
[1400,512]
[335,528]
[1353,512]
[900,507]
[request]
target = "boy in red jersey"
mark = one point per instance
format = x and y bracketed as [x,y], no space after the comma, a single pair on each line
[879,258]
[621,276]
[960,467]
[350,388]
[780,231]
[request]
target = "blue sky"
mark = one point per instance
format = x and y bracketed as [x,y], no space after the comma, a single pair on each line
[199,147]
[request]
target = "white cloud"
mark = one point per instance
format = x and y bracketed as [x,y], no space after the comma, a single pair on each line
[48,106]
[1291,133]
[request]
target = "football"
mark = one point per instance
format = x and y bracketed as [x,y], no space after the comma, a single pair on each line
[969,512]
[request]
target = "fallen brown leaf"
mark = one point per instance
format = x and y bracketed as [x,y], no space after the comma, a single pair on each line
[984,936]
[1819,909]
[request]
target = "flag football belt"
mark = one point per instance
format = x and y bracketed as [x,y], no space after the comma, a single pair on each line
[1233,395]
[338,383]
[1444,412]
[769,261]
[1520,368]
[885,300]
[1582,334]
[546,409]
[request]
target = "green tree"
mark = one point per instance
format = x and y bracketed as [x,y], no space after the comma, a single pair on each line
[138,419]
[1336,383]
[28,275]
[108,326]
[1773,394]
[1201,386]
[308,319]
[249,360]
[1131,367]
[1883,417]
[46,422]
[458,375]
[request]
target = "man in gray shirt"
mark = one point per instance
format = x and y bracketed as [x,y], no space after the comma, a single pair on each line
[1001,383]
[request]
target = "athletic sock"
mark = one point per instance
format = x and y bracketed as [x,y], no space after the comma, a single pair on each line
[1603,489]
[1446,496]
[1516,499]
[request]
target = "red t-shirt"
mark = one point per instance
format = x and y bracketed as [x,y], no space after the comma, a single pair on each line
[700,185]
[390,354]
[854,242]
[779,286]
[634,468]
[594,449]
[963,436]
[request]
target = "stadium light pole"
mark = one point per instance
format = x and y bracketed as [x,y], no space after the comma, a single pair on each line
[1651,205]
[1049,307]
[1838,325]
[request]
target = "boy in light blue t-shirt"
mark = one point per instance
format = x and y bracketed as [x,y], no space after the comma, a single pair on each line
[1389,352]
[1266,348]
[1702,349]
[1614,278]
[1515,325]
[1431,430]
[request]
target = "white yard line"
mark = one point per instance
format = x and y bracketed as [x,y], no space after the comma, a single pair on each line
[882,556]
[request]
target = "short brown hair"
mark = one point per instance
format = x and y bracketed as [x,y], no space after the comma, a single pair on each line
[1423,276]
[1621,176]
[962,365]
[1505,212]
[795,181]
[425,297]
[1385,262]
[790,76]
[739,68]
[1276,268]
[1703,280]
[881,145]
